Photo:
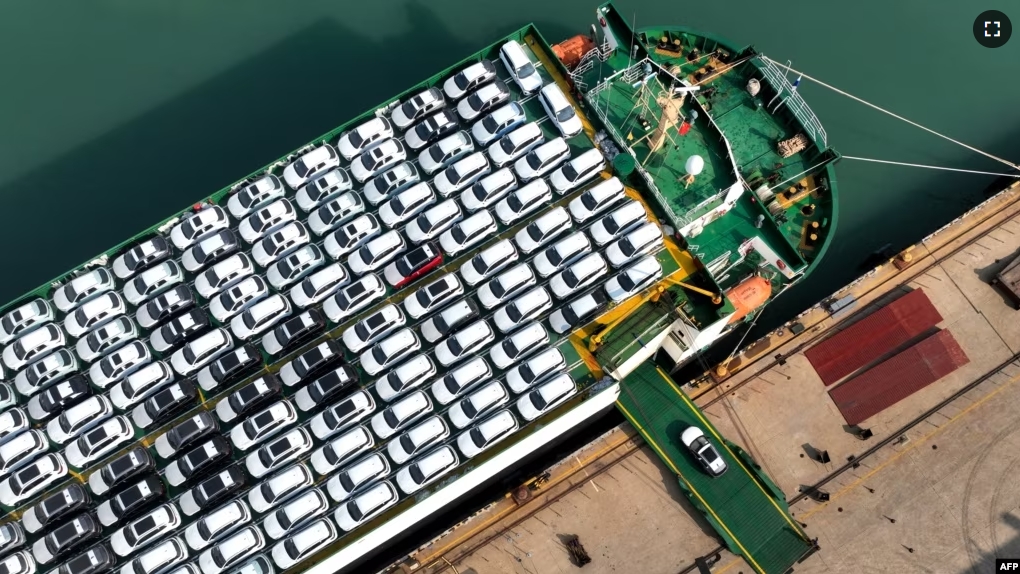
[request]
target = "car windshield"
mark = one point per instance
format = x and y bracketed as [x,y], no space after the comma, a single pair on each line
[426,128]
[478,190]
[537,400]
[461,81]
[565,114]
[380,356]
[366,253]
[514,203]
[475,102]
[525,70]
[569,316]
[416,474]
[355,139]
[397,206]
[458,234]
[627,247]
[569,172]
[436,154]
[514,313]
[468,406]
[533,160]
[709,453]
[453,175]
[490,124]
[455,347]
[611,225]
[424,223]
[300,168]
[391,418]
[507,145]
[570,278]
[510,349]
[356,514]
[627,283]
[535,232]
[589,202]
[477,437]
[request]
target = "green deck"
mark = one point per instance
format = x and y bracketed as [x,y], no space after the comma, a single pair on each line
[743,505]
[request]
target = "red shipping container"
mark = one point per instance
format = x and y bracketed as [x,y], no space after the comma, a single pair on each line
[870,338]
[898,377]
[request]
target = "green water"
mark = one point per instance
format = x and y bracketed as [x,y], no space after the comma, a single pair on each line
[114,113]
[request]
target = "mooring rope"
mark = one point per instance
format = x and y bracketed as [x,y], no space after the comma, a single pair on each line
[915,124]
[931,166]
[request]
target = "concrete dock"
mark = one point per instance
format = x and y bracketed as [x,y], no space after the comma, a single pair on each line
[941,496]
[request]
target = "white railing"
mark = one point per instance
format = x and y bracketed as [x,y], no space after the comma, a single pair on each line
[793,100]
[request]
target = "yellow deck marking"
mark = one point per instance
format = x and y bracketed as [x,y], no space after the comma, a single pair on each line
[586,356]
[694,409]
[694,491]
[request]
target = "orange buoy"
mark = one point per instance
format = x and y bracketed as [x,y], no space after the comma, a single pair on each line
[571,50]
[748,296]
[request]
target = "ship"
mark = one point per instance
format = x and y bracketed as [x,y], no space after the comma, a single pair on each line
[697,180]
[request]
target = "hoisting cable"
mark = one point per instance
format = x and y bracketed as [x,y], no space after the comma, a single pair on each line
[915,124]
[931,166]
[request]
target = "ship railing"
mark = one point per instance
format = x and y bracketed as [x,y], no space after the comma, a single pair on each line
[587,62]
[793,100]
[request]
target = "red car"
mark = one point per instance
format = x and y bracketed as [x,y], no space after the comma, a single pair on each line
[414,264]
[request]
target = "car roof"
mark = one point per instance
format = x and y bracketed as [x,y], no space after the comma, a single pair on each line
[507,111]
[629,210]
[474,331]
[403,338]
[351,440]
[514,51]
[498,178]
[369,465]
[326,275]
[372,126]
[443,208]
[555,96]
[533,296]
[552,147]
[498,251]
[647,264]
[471,162]
[532,190]
[530,332]
[458,309]
[415,192]
[490,90]
[471,370]
[438,459]
[492,392]
[606,188]
[525,132]
[515,274]
[553,218]
[590,261]
[428,429]
[646,232]
[543,360]
[497,423]
[414,366]
[477,221]
[556,387]
[454,141]
[318,154]
[375,496]
[588,158]
[384,241]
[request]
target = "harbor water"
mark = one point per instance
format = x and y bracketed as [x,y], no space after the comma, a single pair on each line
[114,114]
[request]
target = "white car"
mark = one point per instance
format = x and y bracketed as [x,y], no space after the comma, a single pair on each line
[546,396]
[12,422]
[461,379]
[469,78]
[406,204]
[417,107]
[536,369]
[376,252]
[433,221]
[423,435]
[562,253]
[20,562]
[642,241]
[542,159]
[278,452]
[303,543]
[543,229]
[319,285]
[279,242]
[487,398]
[265,219]
[295,265]
[445,151]
[260,316]
[619,221]
[78,418]
[164,305]
[140,256]
[116,365]
[577,171]
[163,556]
[515,144]
[352,143]
[199,351]
[310,165]
[176,332]
[295,512]
[634,278]
[354,297]
[518,345]
[372,328]
[522,309]
[506,285]
[560,110]
[521,69]
[451,317]
[357,475]
[365,506]
[21,449]
[257,193]
[487,433]
[93,312]
[405,377]
[322,188]
[152,281]
[464,343]
[99,441]
[105,338]
[351,235]
[342,415]
[489,189]
[482,100]
[217,523]
[377,159]
[467,233]
[45,371]
[397,178]
[385,353]
[197,225]
[77,290]
[342,449]
[263,424]
[239,296]
[430,129]
[223,274]
[32,479]
[578,275]
[498,123]
[523,201]
[596,199]
[426,469]
[334,212]
[426,299]
[400,414]
[276,488]
[140,384]
[578,311]
[703,450]
[23,319]
[461,174]
[310,362]
[150,526]
[488,261]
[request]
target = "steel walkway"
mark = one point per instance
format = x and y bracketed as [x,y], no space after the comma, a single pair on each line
[743,505]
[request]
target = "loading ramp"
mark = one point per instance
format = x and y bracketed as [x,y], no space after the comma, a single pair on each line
[744,506]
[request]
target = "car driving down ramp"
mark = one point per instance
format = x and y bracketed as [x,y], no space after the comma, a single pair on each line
[747,510]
